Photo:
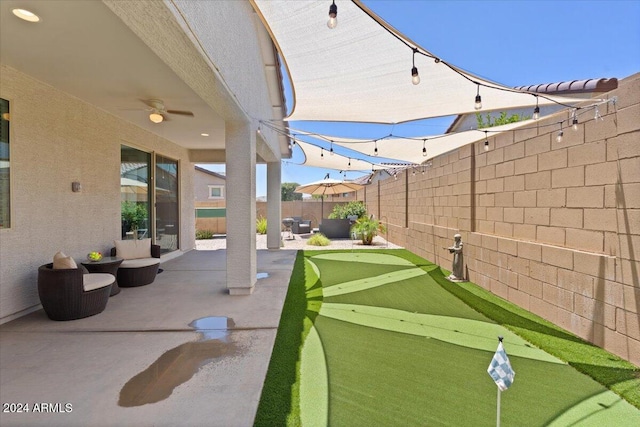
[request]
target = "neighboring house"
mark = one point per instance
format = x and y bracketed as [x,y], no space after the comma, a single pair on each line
[208,186]
[210,205]
[92,125]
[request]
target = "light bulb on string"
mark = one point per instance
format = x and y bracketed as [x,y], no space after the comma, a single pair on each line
[331,149]
[322,153]
[536,111]
[560,134]
[415,77]
[574,124]
[375,149]
[423,170]
[478,104]
[333,16]
[486,141]
[349,165]
[424,148]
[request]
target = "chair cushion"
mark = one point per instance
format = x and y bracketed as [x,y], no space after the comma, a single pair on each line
[97,280]
[138,263]
[61,261]
[133,249]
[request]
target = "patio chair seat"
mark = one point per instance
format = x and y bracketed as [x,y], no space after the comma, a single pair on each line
[300,226]
[68,294]
[136,269]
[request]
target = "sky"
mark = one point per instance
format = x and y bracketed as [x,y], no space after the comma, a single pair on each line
[514,43]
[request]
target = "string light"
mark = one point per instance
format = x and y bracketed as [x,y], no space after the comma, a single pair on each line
[322,153]
[486,141]
[574,124]
[596,114]
[415,77]
[375,149]
[424,148]
[536,111]
[478,105]
[560,134]
[349,165]
[333,16]
[331,149]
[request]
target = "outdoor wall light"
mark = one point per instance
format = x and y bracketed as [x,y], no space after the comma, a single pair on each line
[156,117]
[478,105]
[333,16]
[76,187]
[26,15]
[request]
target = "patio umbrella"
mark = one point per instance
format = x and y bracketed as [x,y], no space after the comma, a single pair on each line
[328,186]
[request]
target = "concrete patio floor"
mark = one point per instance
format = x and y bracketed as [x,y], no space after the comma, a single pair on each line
[101,369]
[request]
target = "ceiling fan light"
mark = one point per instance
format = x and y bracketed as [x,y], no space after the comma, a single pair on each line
[26,15]
[156,117]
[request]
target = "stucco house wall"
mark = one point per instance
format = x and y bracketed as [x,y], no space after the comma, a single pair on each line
[551,226]
[57,139]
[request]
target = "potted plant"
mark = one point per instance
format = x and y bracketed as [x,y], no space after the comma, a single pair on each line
[367,229]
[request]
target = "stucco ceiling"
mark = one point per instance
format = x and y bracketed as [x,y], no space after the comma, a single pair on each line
[82,48]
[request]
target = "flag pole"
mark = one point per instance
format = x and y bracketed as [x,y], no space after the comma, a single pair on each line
[498,416]
[498,398]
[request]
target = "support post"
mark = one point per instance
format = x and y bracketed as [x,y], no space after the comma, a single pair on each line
[241,208]
[274,205]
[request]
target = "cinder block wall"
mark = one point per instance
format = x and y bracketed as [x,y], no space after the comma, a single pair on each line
[551,226]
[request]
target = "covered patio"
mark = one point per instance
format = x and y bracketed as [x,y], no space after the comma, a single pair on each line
[107,369]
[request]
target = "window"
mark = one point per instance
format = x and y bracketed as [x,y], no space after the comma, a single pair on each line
[216,191]
[135,197]
[5,188]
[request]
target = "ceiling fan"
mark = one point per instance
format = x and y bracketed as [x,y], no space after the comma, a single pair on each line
[158,111]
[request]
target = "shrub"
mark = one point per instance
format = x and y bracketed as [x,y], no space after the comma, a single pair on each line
[318,239]
[261,225]
[204,234]
[355,208]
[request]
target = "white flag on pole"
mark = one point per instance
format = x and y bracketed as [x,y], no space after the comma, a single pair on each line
[500,369]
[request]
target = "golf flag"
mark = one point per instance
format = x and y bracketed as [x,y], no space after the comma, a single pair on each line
[500,369]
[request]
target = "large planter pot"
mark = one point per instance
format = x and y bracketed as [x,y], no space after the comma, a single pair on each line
[335,228]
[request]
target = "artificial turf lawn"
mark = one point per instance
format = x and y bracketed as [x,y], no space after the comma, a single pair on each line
[387,373]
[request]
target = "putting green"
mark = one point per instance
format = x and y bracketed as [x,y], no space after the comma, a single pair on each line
[462,332]
[384,343]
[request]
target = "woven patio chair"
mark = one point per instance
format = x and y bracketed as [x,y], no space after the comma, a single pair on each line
[136,269]
[68,294]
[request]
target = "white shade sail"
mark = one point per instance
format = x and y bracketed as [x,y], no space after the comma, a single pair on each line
[322,158]
[359,72]
[410,150]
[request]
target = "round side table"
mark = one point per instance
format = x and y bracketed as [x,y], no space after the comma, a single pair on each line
[108,264]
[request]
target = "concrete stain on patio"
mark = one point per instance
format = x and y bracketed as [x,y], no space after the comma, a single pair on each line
[181,363]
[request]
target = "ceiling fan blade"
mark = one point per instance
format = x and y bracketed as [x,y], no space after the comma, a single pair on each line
[180,112]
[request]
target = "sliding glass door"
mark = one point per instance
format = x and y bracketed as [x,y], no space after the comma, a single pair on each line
[167,204]
[135,193]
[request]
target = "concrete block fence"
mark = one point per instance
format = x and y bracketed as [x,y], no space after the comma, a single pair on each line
[551,226]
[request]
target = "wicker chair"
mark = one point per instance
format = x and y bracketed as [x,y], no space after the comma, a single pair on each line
[63,296]
[138,272]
